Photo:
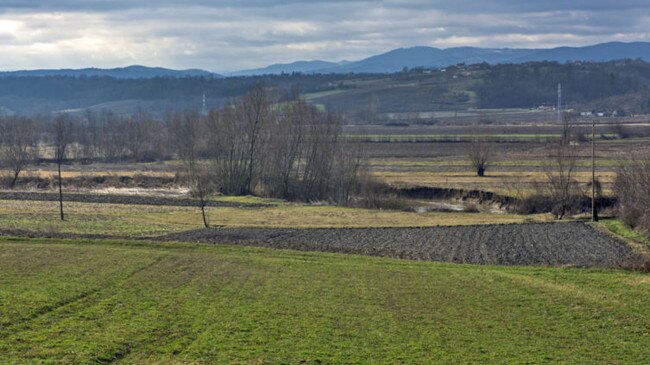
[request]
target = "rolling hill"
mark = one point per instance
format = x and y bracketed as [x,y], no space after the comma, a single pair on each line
[130,72]
[279,68]
[430,57]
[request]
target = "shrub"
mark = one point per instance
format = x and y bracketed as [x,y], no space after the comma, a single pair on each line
[471,208]
[533,204]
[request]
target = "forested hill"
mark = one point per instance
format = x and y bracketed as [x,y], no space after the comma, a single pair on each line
[129,72]
[45,94]
[505,86]
[427,57]
[616,85]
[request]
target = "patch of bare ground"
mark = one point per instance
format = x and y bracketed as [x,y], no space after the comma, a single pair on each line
[572,244]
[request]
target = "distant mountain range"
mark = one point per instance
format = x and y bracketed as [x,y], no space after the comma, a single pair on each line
[392,61]
[298,66]
[429,57]
[130,72]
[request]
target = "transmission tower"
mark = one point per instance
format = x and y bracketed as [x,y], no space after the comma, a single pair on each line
[559,103]
[203,109]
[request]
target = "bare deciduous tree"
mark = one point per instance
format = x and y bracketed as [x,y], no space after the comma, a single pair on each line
[187,132]
[18,146]
[632,188]
[255,111]
[562,186]
[480,154]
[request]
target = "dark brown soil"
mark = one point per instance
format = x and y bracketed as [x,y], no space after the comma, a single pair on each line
[547,244]
[573,244]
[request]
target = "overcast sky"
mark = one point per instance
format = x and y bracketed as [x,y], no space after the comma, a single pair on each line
[232,35]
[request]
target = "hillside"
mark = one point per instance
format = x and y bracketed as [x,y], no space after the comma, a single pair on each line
[298,66]
[427,94]
[130,72]
[429,57]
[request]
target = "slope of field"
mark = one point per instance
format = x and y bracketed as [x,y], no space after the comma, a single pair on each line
[556,244]
[94,302]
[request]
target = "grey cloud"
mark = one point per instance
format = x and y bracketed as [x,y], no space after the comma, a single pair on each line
[227,35]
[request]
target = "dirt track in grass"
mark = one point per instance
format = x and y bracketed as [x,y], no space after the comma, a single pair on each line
[547,244]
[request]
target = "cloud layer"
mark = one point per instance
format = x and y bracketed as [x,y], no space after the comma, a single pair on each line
[231,35]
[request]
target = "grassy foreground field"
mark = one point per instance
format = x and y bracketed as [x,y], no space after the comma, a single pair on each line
[100,302]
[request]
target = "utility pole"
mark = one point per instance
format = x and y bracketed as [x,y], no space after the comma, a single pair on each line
[59,157]
[594,212]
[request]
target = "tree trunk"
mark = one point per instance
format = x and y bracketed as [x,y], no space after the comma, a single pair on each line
[13,182]
[205,219]
[480,172]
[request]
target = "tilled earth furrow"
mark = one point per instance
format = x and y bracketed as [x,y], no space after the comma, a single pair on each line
[547,244]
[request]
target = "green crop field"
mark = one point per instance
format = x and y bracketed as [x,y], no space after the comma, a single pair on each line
[100,302]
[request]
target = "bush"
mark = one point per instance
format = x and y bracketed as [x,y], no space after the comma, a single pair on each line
[533,204]
[543,203]
[471,208]
[373,194]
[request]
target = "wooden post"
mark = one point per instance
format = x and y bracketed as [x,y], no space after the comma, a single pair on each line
[60,185]
[594,212]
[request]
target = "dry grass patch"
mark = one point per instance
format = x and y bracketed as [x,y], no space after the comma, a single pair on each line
[147,220]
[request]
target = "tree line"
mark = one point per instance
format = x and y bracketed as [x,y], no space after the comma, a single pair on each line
[257,144]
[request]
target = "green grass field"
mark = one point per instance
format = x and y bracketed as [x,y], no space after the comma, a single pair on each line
[100,302]
[321,94]
[635,238]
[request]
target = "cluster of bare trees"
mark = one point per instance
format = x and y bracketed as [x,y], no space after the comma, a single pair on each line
[284,149]
[102,136]
[105,136]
